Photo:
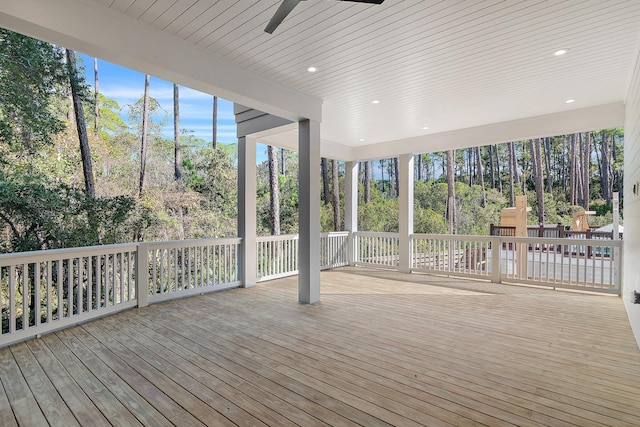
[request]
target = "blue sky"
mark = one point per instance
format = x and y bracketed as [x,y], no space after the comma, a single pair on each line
[126,86]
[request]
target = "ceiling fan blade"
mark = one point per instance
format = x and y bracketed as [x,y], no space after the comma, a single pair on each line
[366,1]
[284,9]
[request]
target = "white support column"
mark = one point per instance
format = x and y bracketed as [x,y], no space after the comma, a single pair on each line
[247,209]
[309,212]
[351,170]
[405,203]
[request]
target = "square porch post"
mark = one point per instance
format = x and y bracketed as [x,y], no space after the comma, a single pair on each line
[405,203]
[309,211]
[351,170]
[247,209]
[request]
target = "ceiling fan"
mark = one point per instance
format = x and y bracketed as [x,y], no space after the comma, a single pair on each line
[287,6]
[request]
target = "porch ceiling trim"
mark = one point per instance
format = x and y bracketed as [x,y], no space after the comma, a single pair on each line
[98,31]
[566,122]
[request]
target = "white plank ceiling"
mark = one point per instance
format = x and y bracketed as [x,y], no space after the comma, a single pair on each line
[445,65]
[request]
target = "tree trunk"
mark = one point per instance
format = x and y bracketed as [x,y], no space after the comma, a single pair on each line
[512,173]
[69,95]
[498,173]
[143,134]
[85,152]
[283,168]
[573,166]
[586,170]
[605,165]
[483,202]
[492,172]
[470,166]
[536,159]
[337,226]
[616,184]
[214,142]
[96,103]
[176,132]
[367,181]
[396,176]
[451,205]
[419,167]
[325,180]
[547,163]
[382,173]
[274,191]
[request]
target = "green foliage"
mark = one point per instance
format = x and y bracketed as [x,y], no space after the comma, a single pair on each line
[31,78]
[110,122]
[42,217]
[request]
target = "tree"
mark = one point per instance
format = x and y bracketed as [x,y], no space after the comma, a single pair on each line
[176,132]
[481,177]
[574,174]
[85,152]
[325,179]
[536,159]
[396,176]
[32,77]
[143,135]
[274,190]
[283,167]
[547,156]
[96,93]
[451,192]
[492,171]
[367,182]
[586,171]
[215,122]
[513,172]
[335,200]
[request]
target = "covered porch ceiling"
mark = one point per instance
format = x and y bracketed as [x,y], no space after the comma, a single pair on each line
[472,72]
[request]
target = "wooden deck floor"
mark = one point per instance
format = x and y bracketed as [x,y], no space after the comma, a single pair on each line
[380,349]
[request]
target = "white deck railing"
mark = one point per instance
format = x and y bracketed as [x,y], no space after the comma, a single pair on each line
[48,290]
[376,249]
[334,249]
[460,255]
[584,264]
[186,267]
[278,255]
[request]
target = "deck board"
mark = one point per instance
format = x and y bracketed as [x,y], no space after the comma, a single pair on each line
[381,348]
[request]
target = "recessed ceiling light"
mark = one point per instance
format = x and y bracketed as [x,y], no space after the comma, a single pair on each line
[312,69]
[375,101]
[570,101]
[361,139]
[561,52]
[425,127]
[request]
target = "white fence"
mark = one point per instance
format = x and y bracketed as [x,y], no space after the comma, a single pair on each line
[584,264]
[459,255]
[334,249]
[48,290]
[376,249]
[278,255]
[187,267]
